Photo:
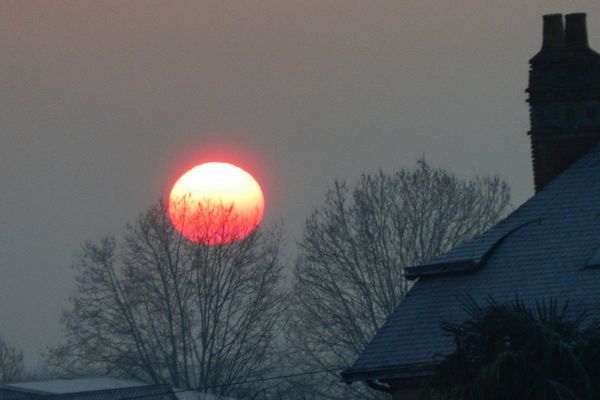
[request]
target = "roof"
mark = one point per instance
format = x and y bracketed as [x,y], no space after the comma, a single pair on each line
[99,388]
[548,248]
[85,388]
[197,395]
[75,385]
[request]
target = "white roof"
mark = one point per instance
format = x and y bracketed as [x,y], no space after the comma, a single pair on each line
[196,395]
[63,386]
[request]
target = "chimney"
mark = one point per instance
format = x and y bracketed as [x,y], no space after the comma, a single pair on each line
[576,31]
[554,32]
[564,97]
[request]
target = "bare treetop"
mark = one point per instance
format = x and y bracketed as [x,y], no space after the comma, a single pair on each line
[163,309]
[349,274]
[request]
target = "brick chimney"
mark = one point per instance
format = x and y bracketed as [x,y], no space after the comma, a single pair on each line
[564,97]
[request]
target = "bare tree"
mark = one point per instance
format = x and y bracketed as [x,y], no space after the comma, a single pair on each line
[163,309]
[11,362]
[349,273]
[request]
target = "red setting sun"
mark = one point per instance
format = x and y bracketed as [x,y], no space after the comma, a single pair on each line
[216,203]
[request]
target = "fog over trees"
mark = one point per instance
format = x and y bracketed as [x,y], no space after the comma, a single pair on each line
[157,307]
[11,362]
[349,273]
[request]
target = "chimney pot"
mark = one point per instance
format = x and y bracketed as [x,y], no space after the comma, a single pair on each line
[576,31]
[554,32]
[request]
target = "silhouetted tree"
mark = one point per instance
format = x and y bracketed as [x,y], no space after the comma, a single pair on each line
[11,362]
[349,273]
[163,309]
[507,351]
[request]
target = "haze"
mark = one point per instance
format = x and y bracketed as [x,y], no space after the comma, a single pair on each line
[105,103]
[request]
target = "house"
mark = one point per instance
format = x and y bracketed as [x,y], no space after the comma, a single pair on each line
[97,388]
[548,248]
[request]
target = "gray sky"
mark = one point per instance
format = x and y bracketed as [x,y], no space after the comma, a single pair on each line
[104,103]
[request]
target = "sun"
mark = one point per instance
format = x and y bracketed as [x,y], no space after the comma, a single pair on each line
[216,203]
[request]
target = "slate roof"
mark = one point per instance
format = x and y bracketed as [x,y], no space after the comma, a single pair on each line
[548,248]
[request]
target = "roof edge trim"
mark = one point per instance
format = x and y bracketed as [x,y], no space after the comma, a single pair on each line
[465,265]
[440,269]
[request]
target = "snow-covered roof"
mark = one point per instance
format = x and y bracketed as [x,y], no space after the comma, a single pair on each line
[196,395]
[100,388]
[63,386]
[85,389]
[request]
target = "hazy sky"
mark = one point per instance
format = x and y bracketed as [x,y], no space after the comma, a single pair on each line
[104,103]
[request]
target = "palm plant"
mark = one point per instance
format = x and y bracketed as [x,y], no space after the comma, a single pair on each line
[507,351]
